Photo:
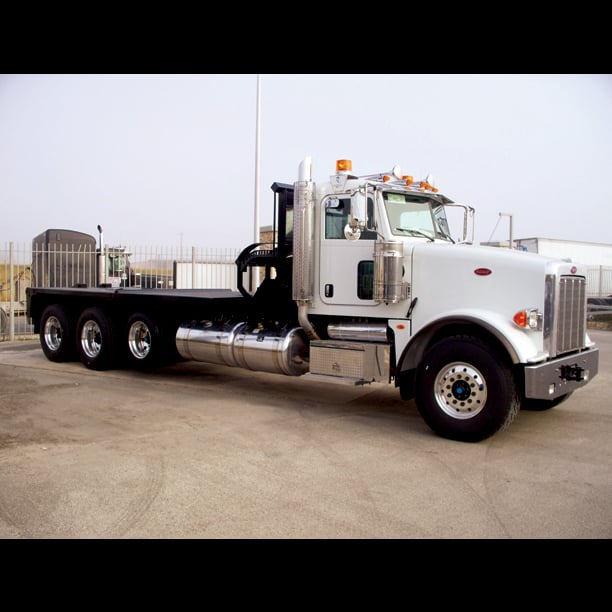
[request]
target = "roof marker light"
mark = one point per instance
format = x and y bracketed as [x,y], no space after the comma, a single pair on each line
[344,165]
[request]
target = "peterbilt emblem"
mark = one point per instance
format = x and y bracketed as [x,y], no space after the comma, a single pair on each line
[573,269]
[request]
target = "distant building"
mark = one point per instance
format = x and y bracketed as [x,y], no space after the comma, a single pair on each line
[588,253]
[266,234]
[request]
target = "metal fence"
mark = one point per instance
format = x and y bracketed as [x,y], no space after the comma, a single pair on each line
[599,281]
[73,265]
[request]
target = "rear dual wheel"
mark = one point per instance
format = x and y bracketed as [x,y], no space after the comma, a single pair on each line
[143,342]
[95,344]
[56,335]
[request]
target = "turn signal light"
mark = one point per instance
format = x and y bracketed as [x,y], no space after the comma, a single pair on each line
[528,319]
[520,318]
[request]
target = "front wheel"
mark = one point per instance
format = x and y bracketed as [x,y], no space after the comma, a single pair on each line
[95,339]
[465,390]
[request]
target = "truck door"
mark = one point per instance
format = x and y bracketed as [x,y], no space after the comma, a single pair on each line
[346,274]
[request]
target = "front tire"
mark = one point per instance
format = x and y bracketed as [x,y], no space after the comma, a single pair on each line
[465,389]
[95,344]
[56,334]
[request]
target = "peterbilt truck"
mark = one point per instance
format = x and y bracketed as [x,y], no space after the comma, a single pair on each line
[362,283]
[64,258]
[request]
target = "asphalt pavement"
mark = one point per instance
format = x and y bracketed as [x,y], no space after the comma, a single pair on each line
[204,451]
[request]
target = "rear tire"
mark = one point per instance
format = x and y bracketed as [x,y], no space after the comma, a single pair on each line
[465,390]
[56,334]
[95,340]
[142,342]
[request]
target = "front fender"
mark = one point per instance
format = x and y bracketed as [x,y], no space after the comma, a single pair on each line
[522,346]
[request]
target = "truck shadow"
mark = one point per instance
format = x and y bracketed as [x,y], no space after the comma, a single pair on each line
[302,392]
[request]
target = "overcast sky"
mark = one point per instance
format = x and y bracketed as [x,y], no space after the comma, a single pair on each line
[169,160]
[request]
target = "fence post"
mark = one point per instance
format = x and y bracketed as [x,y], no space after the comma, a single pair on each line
[600,292]
[193,267]
[12,295]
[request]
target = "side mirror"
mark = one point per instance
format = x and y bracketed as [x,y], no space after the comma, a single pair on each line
[359,215]
[358,219]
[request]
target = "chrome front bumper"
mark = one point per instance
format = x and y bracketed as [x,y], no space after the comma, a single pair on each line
[560,376]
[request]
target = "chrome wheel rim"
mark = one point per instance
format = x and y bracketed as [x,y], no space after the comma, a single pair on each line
[139,340]
[460,390]
[53,333]
[91,339]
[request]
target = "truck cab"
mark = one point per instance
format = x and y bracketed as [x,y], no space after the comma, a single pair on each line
[384,293]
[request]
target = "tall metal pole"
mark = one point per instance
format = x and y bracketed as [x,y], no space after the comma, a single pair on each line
[257,147]
[254,274]
[511,241]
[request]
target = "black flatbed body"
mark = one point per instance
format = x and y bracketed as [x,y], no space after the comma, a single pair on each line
[173,305]
[155,293]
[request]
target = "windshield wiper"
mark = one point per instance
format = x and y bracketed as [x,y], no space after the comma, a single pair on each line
[415,232]
[446,236]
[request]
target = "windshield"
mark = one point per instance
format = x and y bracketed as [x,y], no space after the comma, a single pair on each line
[116,263]
[414,215]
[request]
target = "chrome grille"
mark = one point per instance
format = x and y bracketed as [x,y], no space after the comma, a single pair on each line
[571,314]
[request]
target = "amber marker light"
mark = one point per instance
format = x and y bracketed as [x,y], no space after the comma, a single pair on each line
[520,318]
[344,165]
[527,319]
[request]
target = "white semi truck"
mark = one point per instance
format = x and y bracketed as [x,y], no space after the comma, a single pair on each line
[361,284]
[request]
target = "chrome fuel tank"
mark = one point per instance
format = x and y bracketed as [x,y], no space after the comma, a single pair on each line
[236,344]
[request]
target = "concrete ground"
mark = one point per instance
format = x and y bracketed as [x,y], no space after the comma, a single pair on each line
[203,451]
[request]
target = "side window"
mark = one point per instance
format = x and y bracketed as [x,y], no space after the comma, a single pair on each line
[336,217]
[365,280]
[337,213]
[289,224]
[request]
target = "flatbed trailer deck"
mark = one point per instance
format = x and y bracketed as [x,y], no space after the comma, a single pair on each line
[99,325]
